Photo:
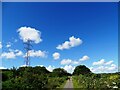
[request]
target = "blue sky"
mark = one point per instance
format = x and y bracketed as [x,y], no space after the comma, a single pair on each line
[96,24]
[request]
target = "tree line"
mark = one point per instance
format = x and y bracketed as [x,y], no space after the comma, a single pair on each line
[39,78]
[36,77]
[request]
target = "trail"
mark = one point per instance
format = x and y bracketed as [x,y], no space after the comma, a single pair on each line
[69,85]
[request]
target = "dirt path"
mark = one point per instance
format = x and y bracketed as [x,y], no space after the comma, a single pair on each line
[69,85]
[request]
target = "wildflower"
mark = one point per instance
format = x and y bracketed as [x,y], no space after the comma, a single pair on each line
[113,82]
[108,86]
[115,87]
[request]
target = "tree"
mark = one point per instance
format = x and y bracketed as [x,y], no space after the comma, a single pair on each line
[81,69]
[40,70]
[59,72]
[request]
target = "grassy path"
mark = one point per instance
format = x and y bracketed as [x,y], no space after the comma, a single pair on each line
[69,84]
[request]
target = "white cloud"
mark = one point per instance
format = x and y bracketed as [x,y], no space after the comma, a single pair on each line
[91,69]
[50,68]
[0,45]
[56,55]
[109,62]
[103,67]
[38,53]
[69,68]
[8,45]
[113,65]
[28,33]
[75,62]
[69,44]
[19,53]
[8,55]
[23,65]
[3,68]
[40,65]
[68,61]
[84,58]
[11,54]
[112,68]
[100,62]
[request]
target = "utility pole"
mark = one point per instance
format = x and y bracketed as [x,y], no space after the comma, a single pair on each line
[27,48]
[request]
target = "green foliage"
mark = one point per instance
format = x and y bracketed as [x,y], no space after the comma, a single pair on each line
[6,75]
[109,81]
[58,72]
[39,78]
[31,78]
[55,82]
[81,69]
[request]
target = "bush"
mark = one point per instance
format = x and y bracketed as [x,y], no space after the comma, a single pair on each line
[31,78]
[97,81]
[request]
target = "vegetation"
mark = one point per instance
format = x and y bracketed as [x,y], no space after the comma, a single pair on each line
[39,78]
[81,69]
[33,78]
[85,79]
[97,81]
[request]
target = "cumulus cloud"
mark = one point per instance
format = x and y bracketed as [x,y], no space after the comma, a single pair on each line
[38,53]
[84,58]
[28,33]
[103,67]
[109,62]
[0,45]
[50,68]
[19,53]
[69,44]
[8,55]
[69,68]
[100,62]
[68,61]
[11,54]
[112,67]
[56,55]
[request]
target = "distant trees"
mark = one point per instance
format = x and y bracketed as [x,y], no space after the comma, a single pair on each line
[59,72]
[81,69]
